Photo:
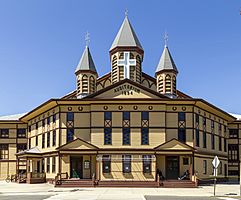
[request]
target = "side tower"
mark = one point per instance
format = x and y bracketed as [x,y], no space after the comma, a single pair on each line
[166,74]
[86,75]
[126,54]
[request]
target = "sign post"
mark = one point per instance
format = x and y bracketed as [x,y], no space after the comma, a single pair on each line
[215,163]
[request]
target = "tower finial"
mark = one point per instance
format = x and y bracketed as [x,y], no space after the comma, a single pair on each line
[87,39]
[166,38]
[126,12]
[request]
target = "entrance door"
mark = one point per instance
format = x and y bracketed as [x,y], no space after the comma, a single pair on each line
[172,167]
[38,166]
[76,167]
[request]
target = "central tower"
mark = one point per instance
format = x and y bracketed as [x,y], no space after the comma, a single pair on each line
[126,54]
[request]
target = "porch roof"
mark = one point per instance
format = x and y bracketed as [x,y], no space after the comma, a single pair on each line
[34,151]
[174,146]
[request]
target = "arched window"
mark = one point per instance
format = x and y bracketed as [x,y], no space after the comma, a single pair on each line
[84,83]
[168,84]
[92,84]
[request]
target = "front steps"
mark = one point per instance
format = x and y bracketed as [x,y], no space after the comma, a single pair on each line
[140,184]
[76,183]
[178,184]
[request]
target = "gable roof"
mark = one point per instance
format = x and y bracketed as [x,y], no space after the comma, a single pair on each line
[122,82]
[77,144]
[33,150]
[166,62]
[173,145]
[126,36]
[86,62]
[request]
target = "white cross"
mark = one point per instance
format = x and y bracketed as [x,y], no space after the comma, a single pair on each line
[126,62]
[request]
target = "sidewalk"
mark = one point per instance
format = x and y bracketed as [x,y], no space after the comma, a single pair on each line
[11,189]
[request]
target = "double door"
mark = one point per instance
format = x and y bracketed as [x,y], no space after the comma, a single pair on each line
[172,167]
[76,167]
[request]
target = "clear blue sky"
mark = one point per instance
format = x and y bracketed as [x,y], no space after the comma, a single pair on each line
[41,43]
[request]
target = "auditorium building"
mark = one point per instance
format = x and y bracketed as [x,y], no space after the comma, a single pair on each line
[125,128]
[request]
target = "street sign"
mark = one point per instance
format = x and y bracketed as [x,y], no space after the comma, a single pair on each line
[215,162]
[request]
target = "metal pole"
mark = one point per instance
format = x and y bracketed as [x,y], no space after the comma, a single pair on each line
[214,191]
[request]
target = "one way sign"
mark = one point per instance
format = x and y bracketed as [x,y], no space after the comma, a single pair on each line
[215,163]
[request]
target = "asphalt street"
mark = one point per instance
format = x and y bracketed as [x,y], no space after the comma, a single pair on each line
[179,198]
[25,197]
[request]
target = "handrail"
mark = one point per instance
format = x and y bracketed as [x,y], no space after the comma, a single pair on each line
[58,178]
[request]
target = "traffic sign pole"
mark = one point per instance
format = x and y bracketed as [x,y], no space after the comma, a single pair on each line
[215,163]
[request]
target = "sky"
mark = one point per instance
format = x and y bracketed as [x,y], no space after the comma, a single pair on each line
[41,42]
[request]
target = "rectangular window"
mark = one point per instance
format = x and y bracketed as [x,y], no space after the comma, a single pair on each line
[21,133]
[106,161]
[146,163]
[48,164]
[4,151]
[197,137]
[233,133]
[54,138]
[212,141]
[225,145]
[204,122]
[197,118]
[29,129]
[43,123]
[48,139]
[53,164]
[36,126]
[36,140]
[43,141]
[43,166]
[70,134]
[54,118]
[204,167]
[204,139]
[212,124]
[21,147]
[144,136]
[220,143]
[126,115]
[185,161]
[181,116]
[126,163]
[70,116]
[126,136]
[233,152]
[48,121]
[182,135]
[108,115]
[107,135]
[144,115]
[220,128]
[220,168]
[29,143]
[4,133]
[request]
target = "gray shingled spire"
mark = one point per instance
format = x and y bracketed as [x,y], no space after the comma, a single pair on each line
[166,62]
[86,62]
[126,37]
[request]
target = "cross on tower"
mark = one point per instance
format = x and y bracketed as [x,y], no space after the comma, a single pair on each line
[126,62]
[87,39]
[166,38]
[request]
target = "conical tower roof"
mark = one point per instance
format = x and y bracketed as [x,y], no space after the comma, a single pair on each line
[86,62]
[166,62]
[126,37]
